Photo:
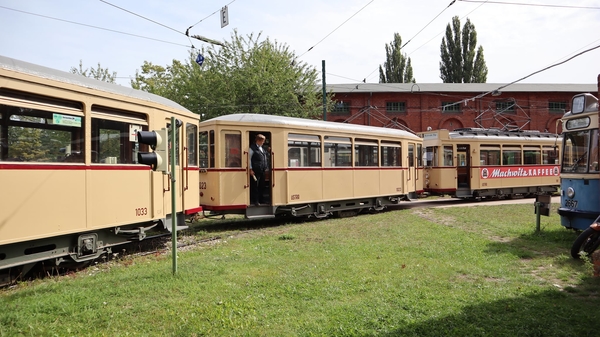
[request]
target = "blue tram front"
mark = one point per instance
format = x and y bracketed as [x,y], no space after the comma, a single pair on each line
[580,197]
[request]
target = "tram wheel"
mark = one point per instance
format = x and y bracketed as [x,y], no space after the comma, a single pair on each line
[587,242]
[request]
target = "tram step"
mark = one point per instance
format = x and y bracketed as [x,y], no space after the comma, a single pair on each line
[256,212]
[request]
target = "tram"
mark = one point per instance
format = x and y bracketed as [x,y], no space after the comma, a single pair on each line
[72,187]
[316,168]
[490,163]
[580,200]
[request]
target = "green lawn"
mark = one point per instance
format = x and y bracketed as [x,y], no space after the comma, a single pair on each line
[472,271]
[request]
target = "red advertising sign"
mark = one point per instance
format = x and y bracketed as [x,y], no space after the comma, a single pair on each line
[494,172]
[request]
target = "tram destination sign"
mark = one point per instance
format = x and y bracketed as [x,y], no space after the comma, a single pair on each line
[495,172]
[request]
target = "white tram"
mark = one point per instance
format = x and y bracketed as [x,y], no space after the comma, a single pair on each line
[71,184]
[316,168]
[484,163]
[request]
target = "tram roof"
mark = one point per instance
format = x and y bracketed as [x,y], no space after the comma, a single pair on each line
[284,121]
[461,87]
[498,132]
[19,66]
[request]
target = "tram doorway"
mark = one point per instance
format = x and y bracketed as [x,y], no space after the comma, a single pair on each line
[463,166]
[262,185]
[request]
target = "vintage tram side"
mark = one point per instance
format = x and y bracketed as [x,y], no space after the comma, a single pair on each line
[490,163]
[317,168]
[580,200]
[71,184]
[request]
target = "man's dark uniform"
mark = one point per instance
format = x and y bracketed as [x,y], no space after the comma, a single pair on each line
[259,166]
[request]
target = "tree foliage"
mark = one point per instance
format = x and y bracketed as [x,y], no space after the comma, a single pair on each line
[245,75]
[460,63]
[102,74]
[397,67]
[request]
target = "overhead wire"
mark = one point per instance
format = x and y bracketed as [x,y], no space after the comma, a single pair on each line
[525,77]
[213,13]
[143,17]
[427,25]
[187,31]
[338,27]
[530,4]
[92,26]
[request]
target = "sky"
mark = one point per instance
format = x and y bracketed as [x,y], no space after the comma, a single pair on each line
[349,35]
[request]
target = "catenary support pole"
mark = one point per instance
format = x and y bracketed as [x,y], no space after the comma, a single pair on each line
[173,194]
[324,93]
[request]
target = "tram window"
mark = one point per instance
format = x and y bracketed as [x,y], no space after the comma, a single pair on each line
[411,155]
[594,152]
[191,131]
[448,155]
[419,155]
[211,146]
[532,156]
[550,155]
[366,152]
[489,156]
[391,154]
[111,143]
[338,151]
[575,151]
[203,149]
[511,155]
[171,147]
[41,136]
[304,150]
[431,156]
[233,149]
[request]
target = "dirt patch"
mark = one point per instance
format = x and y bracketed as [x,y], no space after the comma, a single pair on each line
[429,216]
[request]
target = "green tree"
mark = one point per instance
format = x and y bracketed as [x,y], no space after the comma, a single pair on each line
[102,74]
[246,74]
[460,63]
[397,67]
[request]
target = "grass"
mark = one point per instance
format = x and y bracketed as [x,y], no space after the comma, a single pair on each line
[472,271]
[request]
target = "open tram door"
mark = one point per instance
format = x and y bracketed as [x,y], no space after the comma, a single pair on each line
[413,178]
[260,186]
[463,168]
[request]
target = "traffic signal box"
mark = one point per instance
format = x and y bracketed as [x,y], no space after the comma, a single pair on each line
[158,142]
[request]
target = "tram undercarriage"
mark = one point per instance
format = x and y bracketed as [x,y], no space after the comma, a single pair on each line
[499,193]
[74,250]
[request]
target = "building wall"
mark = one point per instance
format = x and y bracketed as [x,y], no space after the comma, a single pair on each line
[424,110]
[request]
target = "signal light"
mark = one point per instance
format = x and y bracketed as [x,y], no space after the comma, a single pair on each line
[158,141]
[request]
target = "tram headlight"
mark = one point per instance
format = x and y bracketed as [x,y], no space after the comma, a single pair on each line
[570,192]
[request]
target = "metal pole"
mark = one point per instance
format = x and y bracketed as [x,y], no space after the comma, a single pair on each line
[537,216]
[324,93]
[173,195]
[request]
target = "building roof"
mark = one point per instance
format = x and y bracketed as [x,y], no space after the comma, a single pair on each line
[460,87]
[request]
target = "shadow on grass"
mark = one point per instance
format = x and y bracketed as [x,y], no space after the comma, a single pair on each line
[543,244]
[547,313]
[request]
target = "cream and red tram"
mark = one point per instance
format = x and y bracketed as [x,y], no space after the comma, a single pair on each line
[71,184]
[478,163]
[316,168]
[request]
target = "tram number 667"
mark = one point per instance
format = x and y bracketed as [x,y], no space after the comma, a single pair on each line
[141,211]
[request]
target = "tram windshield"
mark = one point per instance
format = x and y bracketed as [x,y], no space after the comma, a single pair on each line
[580,152]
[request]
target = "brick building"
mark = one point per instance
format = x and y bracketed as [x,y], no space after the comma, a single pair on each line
[423,106]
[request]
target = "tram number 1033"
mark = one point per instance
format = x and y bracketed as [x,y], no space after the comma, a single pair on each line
[571,203]
[141,211]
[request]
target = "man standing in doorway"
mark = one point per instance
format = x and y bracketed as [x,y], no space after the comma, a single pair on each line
[258,166]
